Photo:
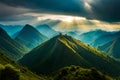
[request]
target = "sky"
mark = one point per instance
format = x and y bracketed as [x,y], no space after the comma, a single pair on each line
[62,14]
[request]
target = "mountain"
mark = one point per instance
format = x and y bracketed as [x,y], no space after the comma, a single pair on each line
[89,37]
[30,37]
[63,50]
[105,38]
[50,22]
[10,70]
[11,29]
[10,47]
[46,30]
[112,48]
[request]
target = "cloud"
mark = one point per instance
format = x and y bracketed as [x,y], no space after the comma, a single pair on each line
[71,23]
[58,6]
[9,13]
[105,10]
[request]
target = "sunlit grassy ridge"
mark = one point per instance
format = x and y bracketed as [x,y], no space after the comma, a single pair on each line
[78,73]
[10,70]
[63,50]
[16,69]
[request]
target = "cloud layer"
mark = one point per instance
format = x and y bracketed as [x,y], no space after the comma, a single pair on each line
[105,10]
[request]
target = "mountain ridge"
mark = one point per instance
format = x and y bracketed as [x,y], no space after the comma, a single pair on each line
[111,48]
[68,51]
[9,46]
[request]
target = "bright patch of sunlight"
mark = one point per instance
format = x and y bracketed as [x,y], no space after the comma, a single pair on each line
[61,17]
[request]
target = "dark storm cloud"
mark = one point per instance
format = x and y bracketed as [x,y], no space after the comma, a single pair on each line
[50,5]
[15,18]
[106,10]
[9,13]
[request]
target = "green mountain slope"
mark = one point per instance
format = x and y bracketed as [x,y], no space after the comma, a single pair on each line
[64,50]
[112,48]
[78,73]
[10,73]
[10,47]
[30,37]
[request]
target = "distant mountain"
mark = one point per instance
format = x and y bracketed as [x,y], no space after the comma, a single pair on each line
[47,31]
[10,47]
[50,22]
[105,38]
[112,48]
[63,50]
[89,37]
[11,29]
[30,37]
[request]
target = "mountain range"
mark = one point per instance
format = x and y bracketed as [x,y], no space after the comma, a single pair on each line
[58,56]
[91,36]
[63,50]
[105,38]
[111,48]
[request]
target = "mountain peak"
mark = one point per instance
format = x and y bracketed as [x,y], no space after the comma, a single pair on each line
[28,26]
[30,36]
[29,29]
[61,36]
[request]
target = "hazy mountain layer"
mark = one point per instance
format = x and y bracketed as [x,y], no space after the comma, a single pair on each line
[112,48]
[47,31]
[30,37]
